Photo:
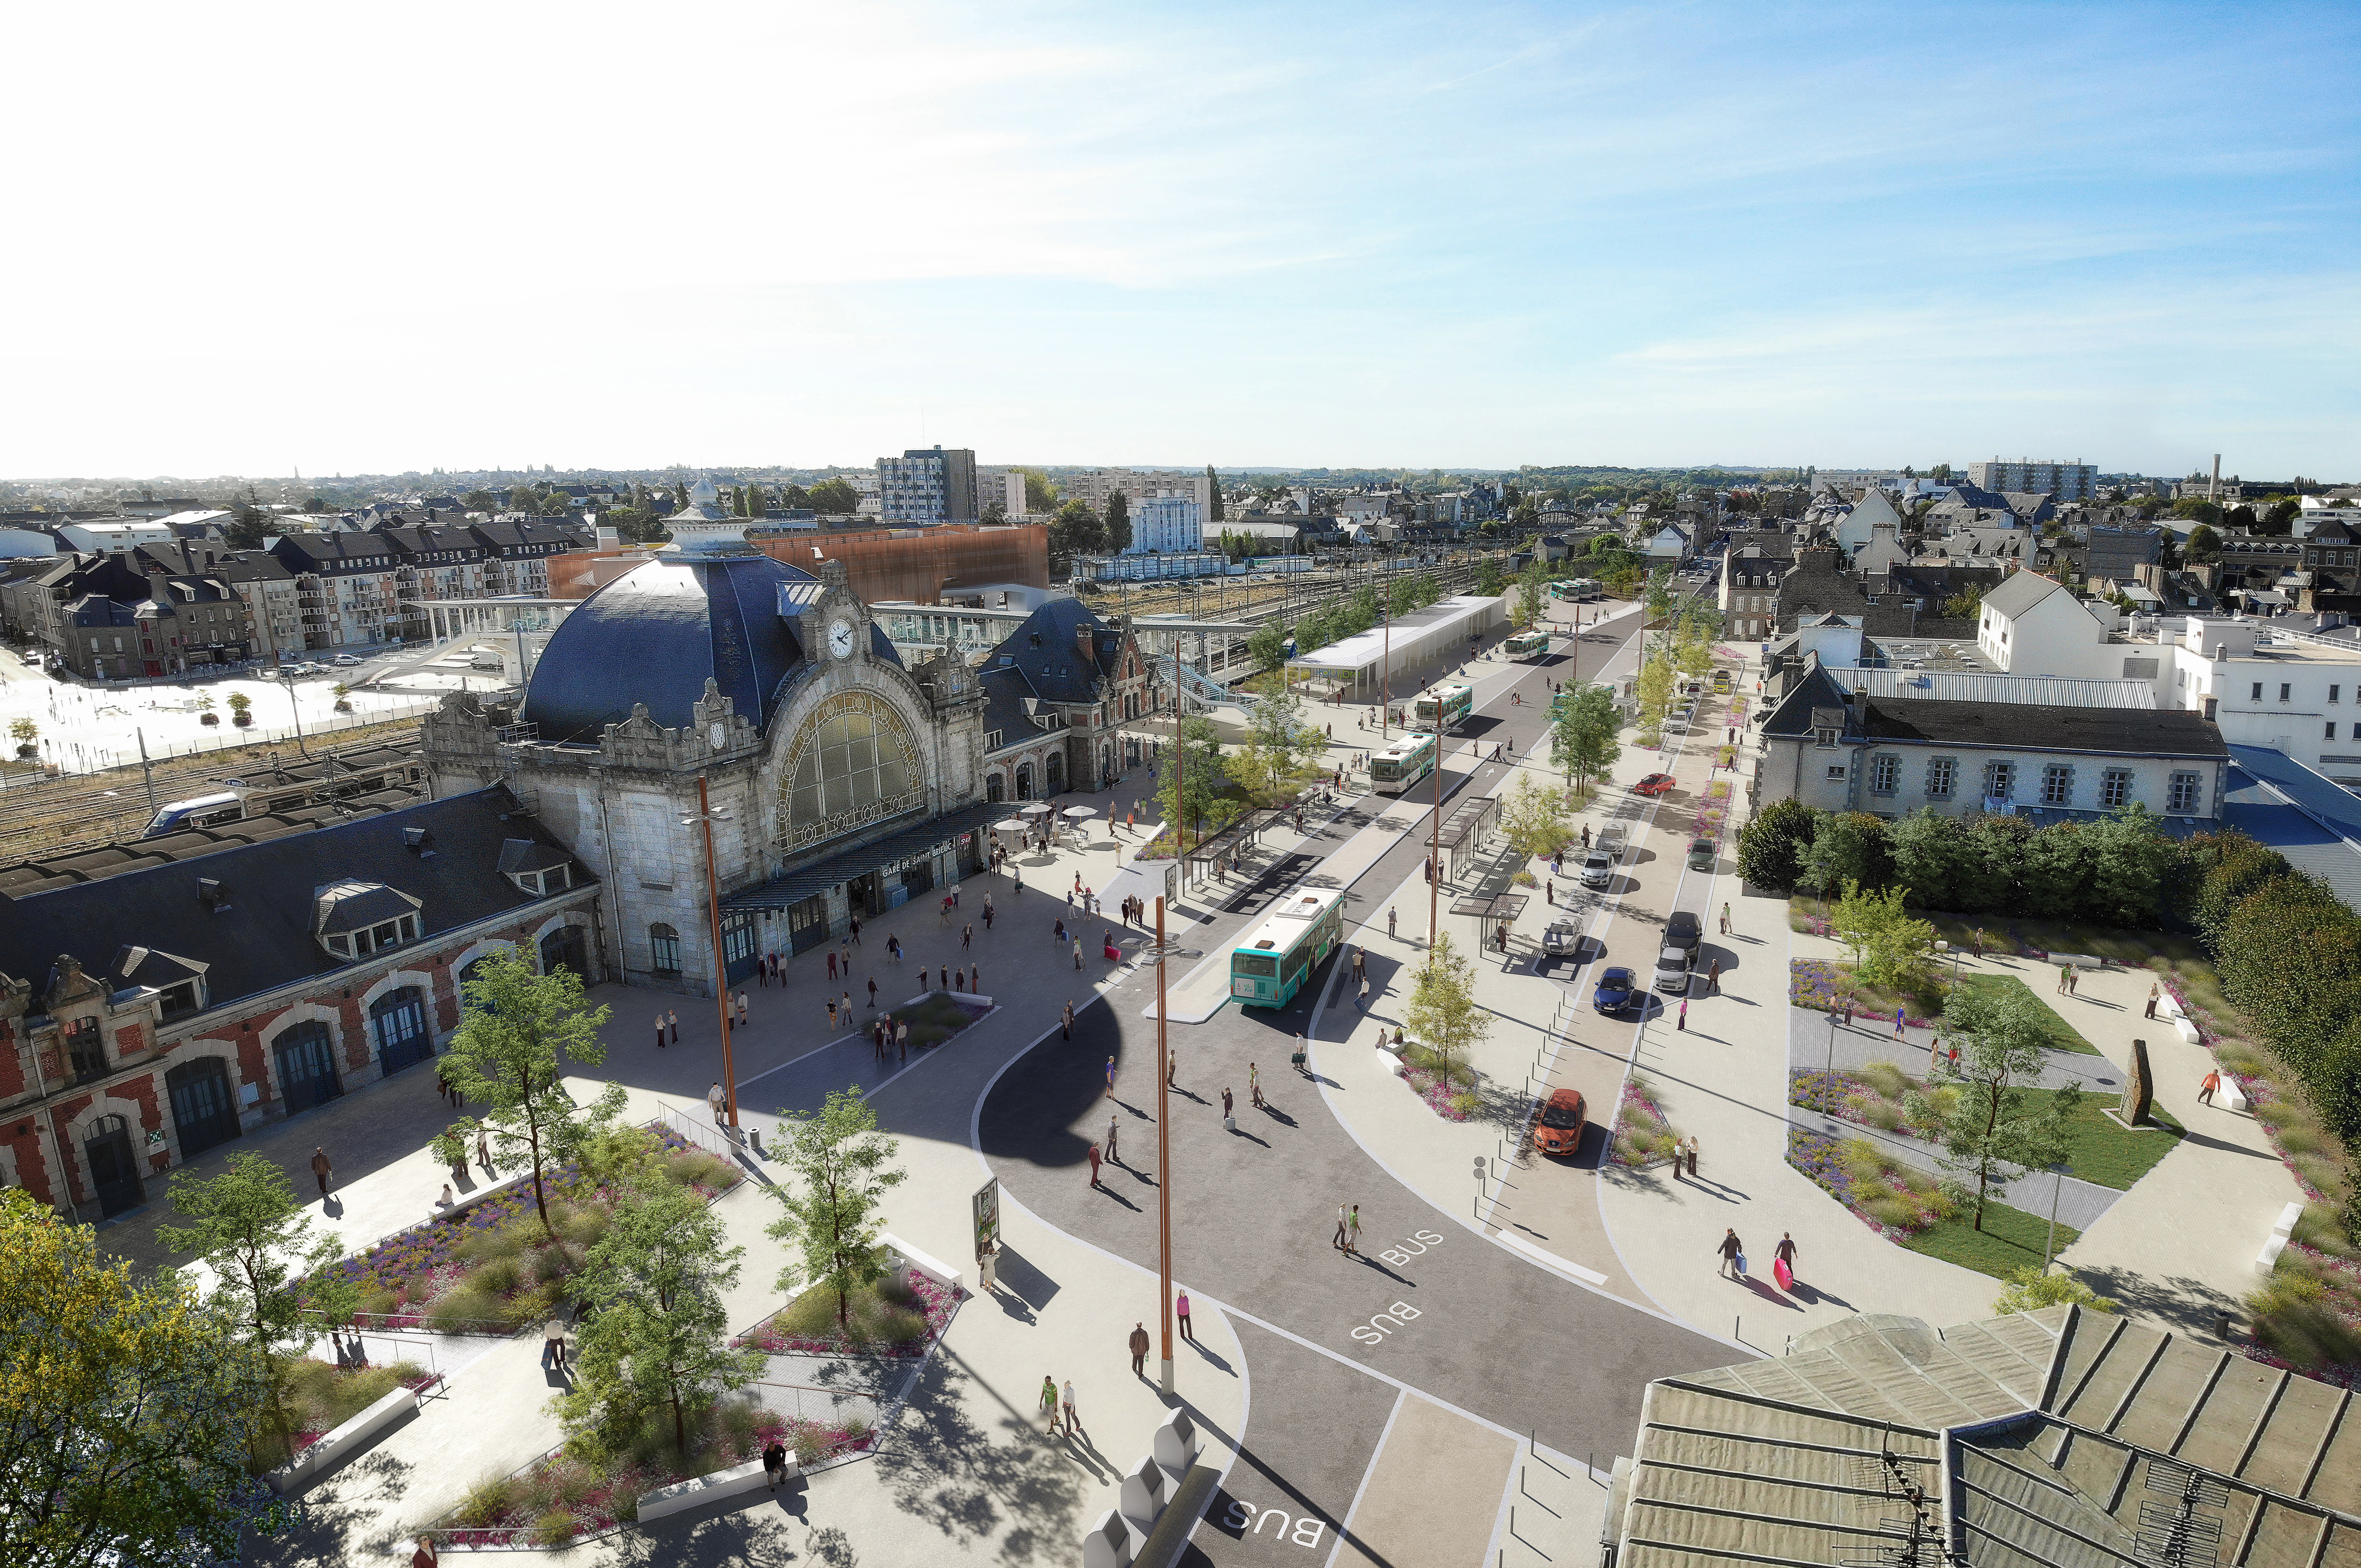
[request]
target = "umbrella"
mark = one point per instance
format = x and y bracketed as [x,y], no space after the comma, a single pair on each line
[1014,824]
[1037,808]
[1080,814]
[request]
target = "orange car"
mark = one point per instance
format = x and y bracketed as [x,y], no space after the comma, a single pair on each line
[1559,1128]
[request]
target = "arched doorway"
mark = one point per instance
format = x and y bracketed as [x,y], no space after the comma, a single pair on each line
[307,1067]
[1106,762]
[1056,772]
[561,949]
[205,1113]
[113,1173]
[995,788]
[473,972]
[398,1019]
[1023,781]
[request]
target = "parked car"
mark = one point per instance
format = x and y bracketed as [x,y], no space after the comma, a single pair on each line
[1558,1129]
[1701,854]
[1673,969]
[1683,931]
[1562,939]
[345,659]
[1721,681]
[1676,724]
[1655,784]
[1598,869]
[1617,991]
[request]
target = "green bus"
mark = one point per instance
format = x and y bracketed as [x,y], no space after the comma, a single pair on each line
[1439,707]
[1529,645]
[1574,589]
[1401,764]
[1270,963]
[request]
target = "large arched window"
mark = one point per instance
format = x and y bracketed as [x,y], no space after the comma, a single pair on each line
[1057,773]
[854,762]
[307,1066]
[398,1019]
[1023,781]
[203,1110]
[995,788]
[663,949]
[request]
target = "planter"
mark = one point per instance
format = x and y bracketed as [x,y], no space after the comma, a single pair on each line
[209,718]
[346,1441]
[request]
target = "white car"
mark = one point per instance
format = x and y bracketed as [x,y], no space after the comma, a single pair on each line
[344,659]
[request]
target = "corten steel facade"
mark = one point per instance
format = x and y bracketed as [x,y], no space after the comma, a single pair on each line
[925,566]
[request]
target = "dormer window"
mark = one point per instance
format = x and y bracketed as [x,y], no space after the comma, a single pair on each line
[535,868]
[355,919]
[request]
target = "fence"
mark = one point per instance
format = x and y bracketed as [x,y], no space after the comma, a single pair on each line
[693,1126]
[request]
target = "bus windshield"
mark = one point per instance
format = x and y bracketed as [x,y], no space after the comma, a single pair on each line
[1254,963]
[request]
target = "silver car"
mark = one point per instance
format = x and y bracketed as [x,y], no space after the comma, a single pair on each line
[1672,970]
[1561,940]
[1598,869]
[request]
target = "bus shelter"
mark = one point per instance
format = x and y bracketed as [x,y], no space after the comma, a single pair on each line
[1467,831]
[1219,853]
[1493,917]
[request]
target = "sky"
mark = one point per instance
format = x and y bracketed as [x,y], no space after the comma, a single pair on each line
[254,239]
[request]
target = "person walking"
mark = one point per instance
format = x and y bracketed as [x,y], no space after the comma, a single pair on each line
[672,1018]
[1078,952]
[967,935]
[321,1168]
[1254,1084]
[1050,1403]
[1785,1253]
[847,1003]
[1073,1422]
[1110,1093]
[1094,1165]
[774,1463]
[424,1557]
[1362,1001]
[1113,1131]
[1713,978]
[552,1344]
[2155,990]
[855,923]
[1139,1350]
[1181,1309]
[2074,981]
[1065,1023]
[741,1005]
[484,1151]
[1390,924]
[959,979]
[2211,1087]
[1724,919]
[1353,1233]
[893,949]
[1897,1023]
[902,1038]
[1693,1156]
[1339,1243]
[831,1014]
[1730,1248]
[1228,1109]
[2065,971]
[872,994]
[1683,1023]
[716,1098]
[660,1034]
[831,964]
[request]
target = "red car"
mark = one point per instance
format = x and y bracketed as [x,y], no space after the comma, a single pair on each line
[1655,784]
[1558,1129]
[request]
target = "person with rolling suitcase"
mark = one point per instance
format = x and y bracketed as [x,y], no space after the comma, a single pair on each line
[1734,1254]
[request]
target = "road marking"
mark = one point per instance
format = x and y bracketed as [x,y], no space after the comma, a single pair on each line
[1399,1315]
[1552,1260]
[1416,1244]
[1248,1519]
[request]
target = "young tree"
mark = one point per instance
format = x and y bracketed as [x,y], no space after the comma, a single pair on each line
[1198,763]
[660,1337]
[1118,521]
[1041,496]
[1582,739]
[1278,741]
[1529,596]
[1847,847]
[1694,652]
[1889,949]
[519,1031]
[250,1229]
[134,1414]
[23,731]
[1998,1128]
[1968,604]
[844,1170]
[1076,531]
[1360,611]
[1442,1012]
[1659,593]
[1490,583]
[1214,485]
[1267,646]
[1535,819]
[1655,684]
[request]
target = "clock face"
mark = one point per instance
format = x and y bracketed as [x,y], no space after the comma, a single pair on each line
[840,639]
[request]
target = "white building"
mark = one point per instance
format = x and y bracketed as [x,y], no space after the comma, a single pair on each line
[927,485]
[1166,524]
[2067,481]
[2031,626]
[1092,486]
[1857,527]
[103,536]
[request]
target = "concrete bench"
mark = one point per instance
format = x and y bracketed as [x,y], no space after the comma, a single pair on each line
[2268,1259]
[1115,1541]
[342,1443]
[732,1483]
[906,1257]
[2079,960]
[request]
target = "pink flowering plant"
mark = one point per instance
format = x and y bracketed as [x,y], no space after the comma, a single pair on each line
[886,1319]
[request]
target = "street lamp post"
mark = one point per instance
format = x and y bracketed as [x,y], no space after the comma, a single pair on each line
[704,818]
[294,707]
[1163,1159]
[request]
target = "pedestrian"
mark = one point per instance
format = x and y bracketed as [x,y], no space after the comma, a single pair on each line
[1181,1309]
[774,1463]
[1684,1013]
[847,1001]
[1585,835]
[484,1151]
[902,1038]
[854,922]
[1050,1402]
[1139,1350]
[2064,973]
[2212,1085]
[1785,1253]
[1390,924]
[872,991]
[831,1014]
[1353,1233]
[1254,1084]
[1078,952]
[959,980]
[2154,989]
[967,935]
[2074,981]
[894,946]
[660,1034]
[923,972]
[1110,1093]
[741,1005]
[321,1167]
[1724,919]
[1112,1157]
[1339,1243]
[831,963]
[1094,1165]
[715,1098]
[1058,930]
[1693,1156]
[1073,1422]
[552,1344]
[1713,978]
[424,1556]
[1065,1023]
[672,1016]
[1549,892]
[1363,1000]
[1731,1249]
[1228,1109]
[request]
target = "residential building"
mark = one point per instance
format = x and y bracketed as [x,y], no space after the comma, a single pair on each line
[1857,527]
[927,485]
[1836,748]
[1093,485]
[1752,566]
[1166,523]
[2029,625]
[2066,481]
[349,585]
[114,534]
[1057,691]
[274,611]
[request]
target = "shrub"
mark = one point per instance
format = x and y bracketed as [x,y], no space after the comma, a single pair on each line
[2294,1320]
[555,1528]
[1771,847]
[1466,1104]
[2029,1290]
[456,1310]
[1882,1114]
[499,1276]
[528,1306]
[1894,1212]
[624,1501]
[485,1501]
[1887,1078]
[551,1264]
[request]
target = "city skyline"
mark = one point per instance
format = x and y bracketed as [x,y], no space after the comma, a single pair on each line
[1396,237]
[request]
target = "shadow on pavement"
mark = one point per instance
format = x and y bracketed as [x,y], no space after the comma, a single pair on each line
[966,1480]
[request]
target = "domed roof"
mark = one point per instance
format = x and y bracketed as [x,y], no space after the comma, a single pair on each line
[656,634]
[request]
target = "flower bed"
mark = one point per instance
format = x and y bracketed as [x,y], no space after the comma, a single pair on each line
[322,1397]
[886,1321]
[1643,1134]
[1821,985]
[1712,812]
[491,1269]
[1452,1095]
[1876,1189]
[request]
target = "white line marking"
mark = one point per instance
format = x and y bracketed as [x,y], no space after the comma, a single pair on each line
[1552,1260]
[1344,1527]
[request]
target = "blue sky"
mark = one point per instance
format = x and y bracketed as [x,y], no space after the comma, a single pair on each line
[1428,236]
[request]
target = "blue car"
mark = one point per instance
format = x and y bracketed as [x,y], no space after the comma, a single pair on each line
[1617,991]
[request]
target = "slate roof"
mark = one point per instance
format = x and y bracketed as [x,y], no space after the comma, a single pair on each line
[2020,593]
[261,935]
[2031,727]
[1045,649]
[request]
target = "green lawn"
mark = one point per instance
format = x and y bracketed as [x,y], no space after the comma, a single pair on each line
[2102,1150]
[2062,1033]
[2011,1239]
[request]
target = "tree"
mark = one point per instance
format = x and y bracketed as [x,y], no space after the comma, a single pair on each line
[480,500]
[1940,473]
[1076,531]
[635,525]
[844,1170]
[1529,596]
[1442,1012]
[1968,604]
[995,514]
[23,731]
[2197,506]
[660,1337]
[1118,521]
[2278,519]
[249,529]
[1995,1128]
[250,1229]
[520,1030]
[1655,684]
[1360,613]
[1659,593]
[1889,949]
[1770,847]
[835,497]
[794,497]
[1198,763]
[1693,654]
[133,1413]
[1847,847]
[1535,819]
[1582,737]
[1267,646]
[1278,741]
[1214,485]
[1526,516]
[2204,544]
[1040,492]
[2029,1290]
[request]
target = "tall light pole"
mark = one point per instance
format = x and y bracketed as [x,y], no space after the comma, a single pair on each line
[704,818]
[1163,1158]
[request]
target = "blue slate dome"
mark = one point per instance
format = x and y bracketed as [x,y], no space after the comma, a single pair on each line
[656,634]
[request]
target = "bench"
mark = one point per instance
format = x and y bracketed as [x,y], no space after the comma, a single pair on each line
[732,1483]
[2268,1259]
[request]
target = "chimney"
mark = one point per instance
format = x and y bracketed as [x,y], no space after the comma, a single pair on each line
[1083,640]
[2213,486]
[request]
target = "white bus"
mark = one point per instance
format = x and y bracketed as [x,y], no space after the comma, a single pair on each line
[1401,764]
[1440,706]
